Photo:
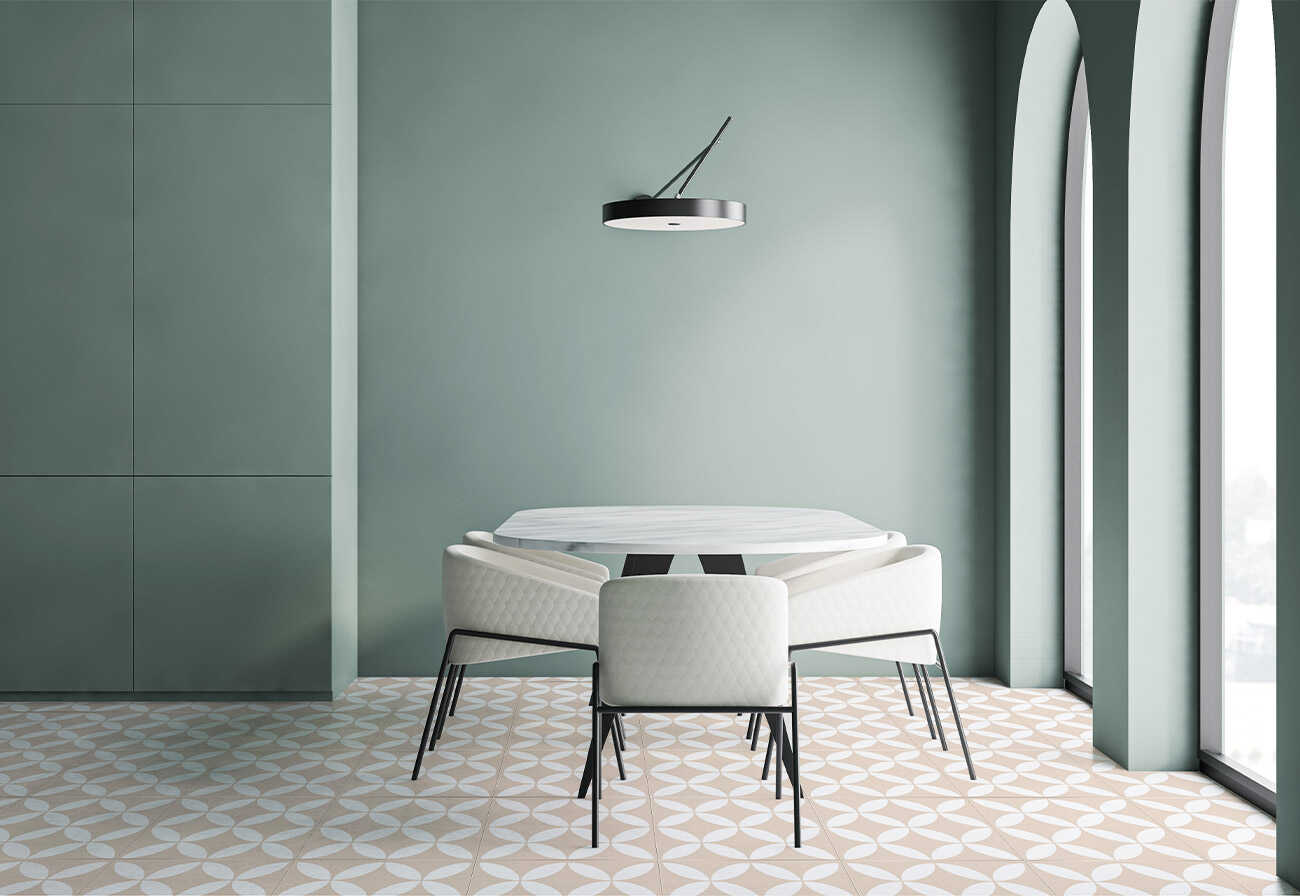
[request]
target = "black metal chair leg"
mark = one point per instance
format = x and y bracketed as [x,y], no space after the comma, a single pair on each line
[753,735]
[588,774]
[433,704]
[455,698]
[767,758]
[620,736]
[618,751]
[952,698]
[443,708]
[595,755]
[916,670]
[938,722]
[906,696]
[749,729]
[779,776]
[794,754]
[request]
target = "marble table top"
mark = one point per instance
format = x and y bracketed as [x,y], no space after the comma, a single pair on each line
[684,529]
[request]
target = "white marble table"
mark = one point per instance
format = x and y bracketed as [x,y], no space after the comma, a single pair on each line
[651,535]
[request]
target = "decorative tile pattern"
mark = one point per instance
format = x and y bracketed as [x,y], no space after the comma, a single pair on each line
[317,797]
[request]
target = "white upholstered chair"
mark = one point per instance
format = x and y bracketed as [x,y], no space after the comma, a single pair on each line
[787,568]
[695,643]
[883,604]
[588,569]
[499,606]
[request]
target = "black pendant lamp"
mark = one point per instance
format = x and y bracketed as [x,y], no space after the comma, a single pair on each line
[653,213]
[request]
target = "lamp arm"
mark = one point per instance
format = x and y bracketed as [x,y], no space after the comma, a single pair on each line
[696,162]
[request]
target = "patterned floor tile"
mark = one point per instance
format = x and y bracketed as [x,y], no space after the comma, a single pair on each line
[317,797]
[225,828]
[398,829]
[34,828]
[455,768]
[738,829]
[689,878]
[734,772]
[1221,829]
[949,830]
[1258,877]
[1083,829]
[879,878]
[74,876]
[361,878]
[563,878]
[163,876]
[692,732]
[1150,874]
[554,767]
[560,829]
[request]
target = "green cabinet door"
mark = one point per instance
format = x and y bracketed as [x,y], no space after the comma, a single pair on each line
[65,289]
[65,583]
[232,588]
[232,291]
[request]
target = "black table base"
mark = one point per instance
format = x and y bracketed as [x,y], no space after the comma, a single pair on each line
[659,564]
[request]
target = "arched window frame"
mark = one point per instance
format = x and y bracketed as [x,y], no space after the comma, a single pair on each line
[1077,382]
[1213,760]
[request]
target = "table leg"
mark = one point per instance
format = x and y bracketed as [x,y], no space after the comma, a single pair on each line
[647,564]
[723,564]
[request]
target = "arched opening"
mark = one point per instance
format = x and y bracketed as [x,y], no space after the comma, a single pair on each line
[1031,636]
[1078,391]
[1239,393]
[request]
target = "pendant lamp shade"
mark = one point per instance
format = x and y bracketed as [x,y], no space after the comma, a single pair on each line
[676,213]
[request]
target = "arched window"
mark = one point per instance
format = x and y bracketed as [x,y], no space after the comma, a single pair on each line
[1078,393]
[1239,393]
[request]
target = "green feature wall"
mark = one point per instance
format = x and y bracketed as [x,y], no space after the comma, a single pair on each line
[1286,24]
[837,351]
[165,347]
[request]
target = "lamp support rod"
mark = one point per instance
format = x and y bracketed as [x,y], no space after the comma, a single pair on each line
[696,162]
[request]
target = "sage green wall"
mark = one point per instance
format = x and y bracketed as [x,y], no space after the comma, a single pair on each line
[838,351]
[1286,25]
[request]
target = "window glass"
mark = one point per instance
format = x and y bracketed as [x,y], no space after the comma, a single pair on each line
[1249,526]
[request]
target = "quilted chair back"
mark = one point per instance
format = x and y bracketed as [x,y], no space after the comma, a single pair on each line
[872,592]
[694,640]
[489,591]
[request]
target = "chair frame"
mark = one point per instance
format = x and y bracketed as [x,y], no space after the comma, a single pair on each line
[443,702]
[921,674]
[600,730]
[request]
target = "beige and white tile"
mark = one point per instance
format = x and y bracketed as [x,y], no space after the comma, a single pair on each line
[559,828]
[156,876]
[385,828]
[564,878]
[787,876]
[737,828]
[1083,829]
[1220,828]
[72,828]
[1151,873]
[947,830]
[49,876]
[362,878]
[893,876]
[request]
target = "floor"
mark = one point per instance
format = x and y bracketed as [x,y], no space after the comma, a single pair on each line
[317,798]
